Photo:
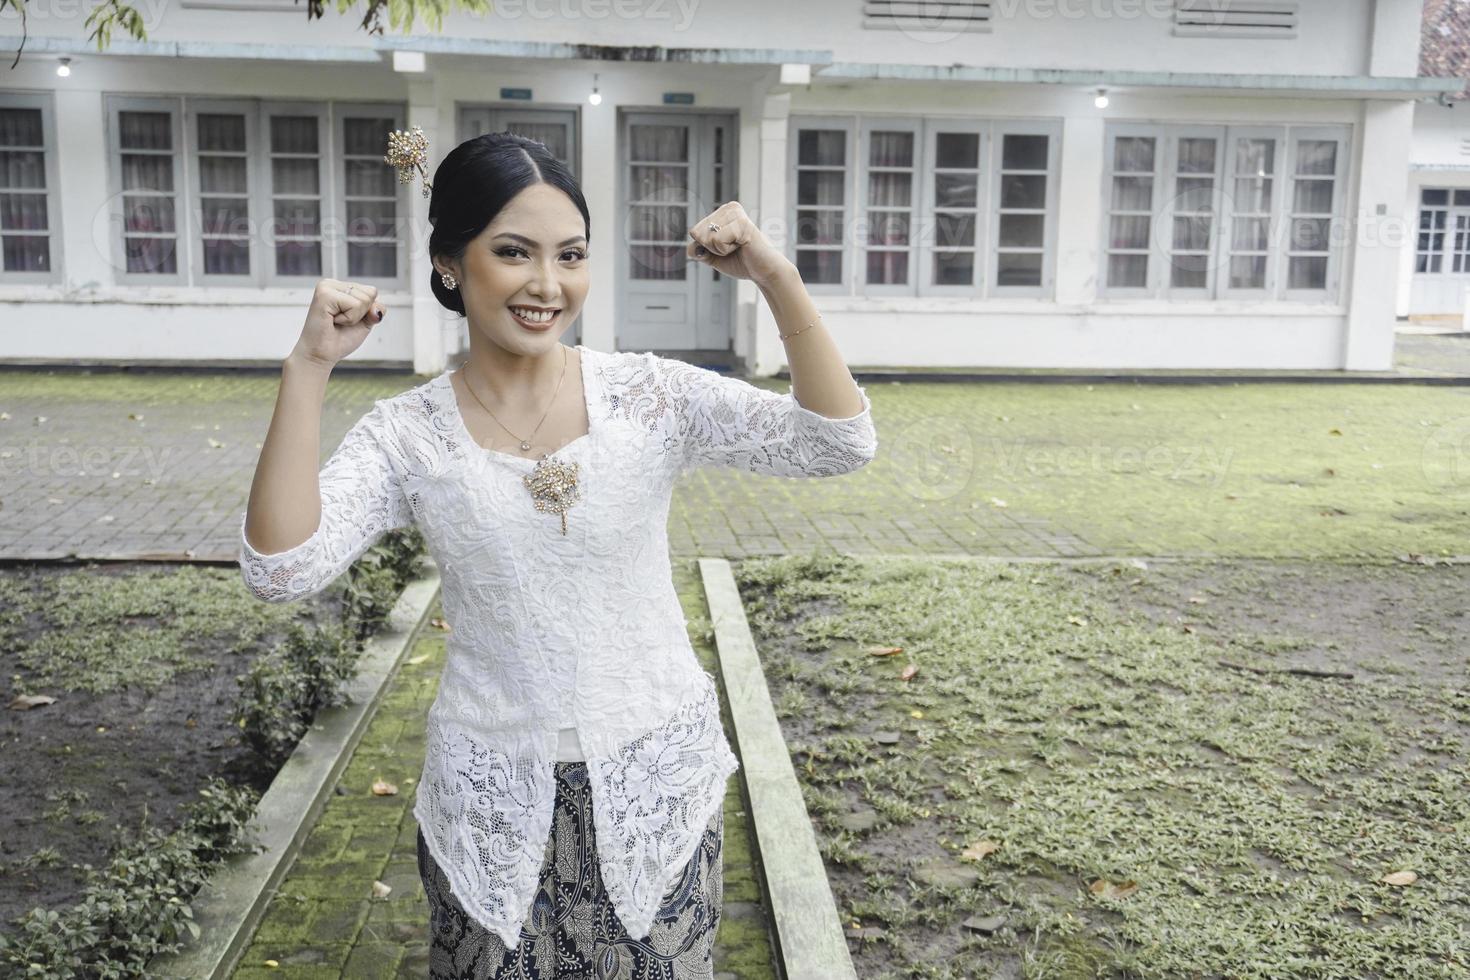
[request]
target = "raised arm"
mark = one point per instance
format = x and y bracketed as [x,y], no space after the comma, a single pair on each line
[302,528]
[724,421]
[359,499]
[727,421]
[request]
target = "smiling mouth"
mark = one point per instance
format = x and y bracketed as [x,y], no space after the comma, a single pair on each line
[534,320]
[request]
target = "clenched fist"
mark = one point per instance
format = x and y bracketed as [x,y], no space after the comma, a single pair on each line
[339,319]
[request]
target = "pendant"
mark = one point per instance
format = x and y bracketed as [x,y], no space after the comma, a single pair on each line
[553,487]
[525,445]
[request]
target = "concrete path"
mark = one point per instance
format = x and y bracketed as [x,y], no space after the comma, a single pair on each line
[323,921]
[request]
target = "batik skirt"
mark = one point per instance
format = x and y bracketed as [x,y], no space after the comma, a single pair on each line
[573,931]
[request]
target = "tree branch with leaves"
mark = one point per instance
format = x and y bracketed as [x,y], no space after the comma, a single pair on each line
[114,14]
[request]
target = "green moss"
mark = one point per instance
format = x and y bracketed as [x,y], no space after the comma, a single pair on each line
[1276,469]
[93,630]
[1256,813]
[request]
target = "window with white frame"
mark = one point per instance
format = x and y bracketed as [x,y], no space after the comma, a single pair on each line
[939,206]
[1223,211]
[257,193]
[1444,231]
[28,218]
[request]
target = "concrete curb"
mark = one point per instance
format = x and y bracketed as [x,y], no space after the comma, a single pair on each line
[229,906]
[1221,377]
[808,934]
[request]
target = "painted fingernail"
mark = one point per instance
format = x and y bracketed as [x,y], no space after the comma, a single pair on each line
[381,314]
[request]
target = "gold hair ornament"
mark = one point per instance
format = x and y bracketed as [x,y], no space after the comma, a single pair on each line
[407,150]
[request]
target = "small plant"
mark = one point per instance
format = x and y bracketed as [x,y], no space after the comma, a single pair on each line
[138,907]
[283,690]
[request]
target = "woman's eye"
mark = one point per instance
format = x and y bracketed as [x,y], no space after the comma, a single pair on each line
[575,253]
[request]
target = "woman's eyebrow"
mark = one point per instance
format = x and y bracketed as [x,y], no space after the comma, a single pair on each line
[522,238]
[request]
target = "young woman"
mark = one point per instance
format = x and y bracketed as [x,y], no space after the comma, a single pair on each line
[570,805]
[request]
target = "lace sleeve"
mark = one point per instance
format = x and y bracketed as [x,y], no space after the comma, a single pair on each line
[726,421]
[362,499]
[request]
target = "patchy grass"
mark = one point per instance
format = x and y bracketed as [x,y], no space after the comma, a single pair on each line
[138,388]
[1154,812]
[101,627]
[1266,470]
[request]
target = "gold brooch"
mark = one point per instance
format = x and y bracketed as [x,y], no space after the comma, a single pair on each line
[553,487]
[407,151]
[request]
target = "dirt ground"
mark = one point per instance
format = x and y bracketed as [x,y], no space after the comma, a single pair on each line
[82,771]
[1399,626]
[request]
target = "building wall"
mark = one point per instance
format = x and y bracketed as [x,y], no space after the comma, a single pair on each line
[1440,159]
[1072,326]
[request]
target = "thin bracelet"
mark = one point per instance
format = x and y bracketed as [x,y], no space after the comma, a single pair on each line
[793,333]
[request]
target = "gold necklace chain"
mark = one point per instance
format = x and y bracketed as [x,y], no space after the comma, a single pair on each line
[525,443]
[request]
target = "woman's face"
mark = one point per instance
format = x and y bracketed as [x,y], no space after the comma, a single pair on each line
[533,254]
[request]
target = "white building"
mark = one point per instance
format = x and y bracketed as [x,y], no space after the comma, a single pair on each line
[1434,275]
[950,188]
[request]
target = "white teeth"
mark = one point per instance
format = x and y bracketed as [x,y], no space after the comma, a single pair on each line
[532,316]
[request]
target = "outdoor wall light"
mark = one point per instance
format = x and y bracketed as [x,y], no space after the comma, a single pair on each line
[1101,99]
[64,69]
[596,97]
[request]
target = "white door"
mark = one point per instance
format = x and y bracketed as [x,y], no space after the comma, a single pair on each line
[675,168]
[557,128]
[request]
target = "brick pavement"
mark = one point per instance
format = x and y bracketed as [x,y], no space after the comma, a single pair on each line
[158,465]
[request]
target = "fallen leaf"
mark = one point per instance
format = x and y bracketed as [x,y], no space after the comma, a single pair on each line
[25,702]
[1399,878]
[1197,599]
[415,661]
[883,651]
[1076,620]
[996,501]
[1334,432]
[383,788]
[909,672]
[1108,889]
[916,713]
[381,890]
[272,964]
[439,624]
[215,443]
[979,849]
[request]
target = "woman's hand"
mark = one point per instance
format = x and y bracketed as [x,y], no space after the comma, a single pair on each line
[737,248]
[339,319]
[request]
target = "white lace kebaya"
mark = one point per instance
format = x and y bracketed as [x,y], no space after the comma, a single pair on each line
[552,631]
